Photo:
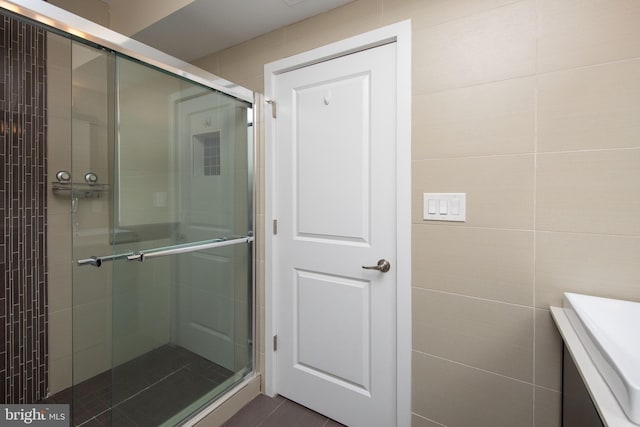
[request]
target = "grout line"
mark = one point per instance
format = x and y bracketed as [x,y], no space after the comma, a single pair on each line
[528,153]
[148,387]
[427,92]
[536,74]
[479,156]
[428,419]
[466,227]
[474,367]
[111,407]
[475,297]
[95,417]
[588,150]
[576,233]
[272,412]
[547,388]
[535,221]
[587,66]
[488,10]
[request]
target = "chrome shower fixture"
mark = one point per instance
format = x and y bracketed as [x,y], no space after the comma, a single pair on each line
[90,178]
[63,176]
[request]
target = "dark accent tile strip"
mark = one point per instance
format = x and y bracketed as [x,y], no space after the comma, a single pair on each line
[23,209]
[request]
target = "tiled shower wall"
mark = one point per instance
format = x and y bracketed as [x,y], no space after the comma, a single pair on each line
[23,196]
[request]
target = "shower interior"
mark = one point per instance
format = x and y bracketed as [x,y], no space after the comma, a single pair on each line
[143,161]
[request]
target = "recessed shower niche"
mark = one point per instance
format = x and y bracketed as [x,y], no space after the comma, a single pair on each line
[206,154]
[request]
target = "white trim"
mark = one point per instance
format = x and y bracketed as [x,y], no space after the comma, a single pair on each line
[228,396]
[399,33]
[603,398]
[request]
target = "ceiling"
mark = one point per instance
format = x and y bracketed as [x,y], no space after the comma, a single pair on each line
[207,26]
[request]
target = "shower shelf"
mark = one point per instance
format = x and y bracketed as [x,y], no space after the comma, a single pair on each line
[80,190]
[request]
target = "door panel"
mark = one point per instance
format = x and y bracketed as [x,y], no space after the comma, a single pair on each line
[333,344]
[210,128]
[206,306]
[335,139]
[322,192]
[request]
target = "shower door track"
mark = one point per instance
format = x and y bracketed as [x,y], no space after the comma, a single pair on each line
[97,261]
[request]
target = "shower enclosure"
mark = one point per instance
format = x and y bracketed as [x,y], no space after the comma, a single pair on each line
[150,237]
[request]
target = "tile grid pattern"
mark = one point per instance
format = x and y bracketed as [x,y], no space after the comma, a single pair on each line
[23,165]
[143,392]
[530,107]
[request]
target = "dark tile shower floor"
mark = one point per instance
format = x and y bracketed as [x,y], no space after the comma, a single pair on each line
[143,392]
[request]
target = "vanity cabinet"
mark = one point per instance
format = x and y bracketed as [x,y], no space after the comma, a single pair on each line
[578,409]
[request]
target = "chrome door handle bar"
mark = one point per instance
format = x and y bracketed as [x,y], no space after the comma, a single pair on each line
[97,261]
[184,249]
[172,250]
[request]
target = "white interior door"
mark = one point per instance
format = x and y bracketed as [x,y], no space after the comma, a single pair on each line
[335,185]
[205,279]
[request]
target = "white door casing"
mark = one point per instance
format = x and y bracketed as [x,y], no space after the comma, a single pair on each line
[338,182]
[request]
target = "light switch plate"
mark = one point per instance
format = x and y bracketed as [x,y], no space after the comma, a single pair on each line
[444,207]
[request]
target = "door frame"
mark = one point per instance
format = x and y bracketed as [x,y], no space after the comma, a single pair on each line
[400,34]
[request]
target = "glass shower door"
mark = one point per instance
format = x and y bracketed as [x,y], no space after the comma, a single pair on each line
[182,297]
[91,133]
[173,268]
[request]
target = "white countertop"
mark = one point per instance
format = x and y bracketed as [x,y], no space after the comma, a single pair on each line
[605,402]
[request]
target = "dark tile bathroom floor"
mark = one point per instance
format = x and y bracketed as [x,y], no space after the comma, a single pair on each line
[145,391]
[265,411]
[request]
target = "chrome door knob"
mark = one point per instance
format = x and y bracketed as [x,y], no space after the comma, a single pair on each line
[383,266]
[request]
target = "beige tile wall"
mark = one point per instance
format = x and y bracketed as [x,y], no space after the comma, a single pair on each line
[59,213]
[531,108]
[78,349]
